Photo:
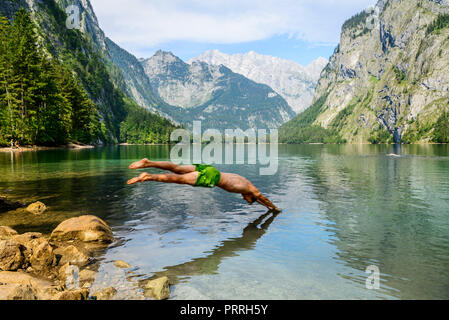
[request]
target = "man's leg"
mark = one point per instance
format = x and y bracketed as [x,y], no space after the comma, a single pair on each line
[189,178]
[164,165]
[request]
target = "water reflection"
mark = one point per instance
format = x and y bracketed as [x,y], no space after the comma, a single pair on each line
[388,212]
[345,207]
[228,248]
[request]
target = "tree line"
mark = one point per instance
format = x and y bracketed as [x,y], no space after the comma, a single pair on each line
[49,101]
[41,102]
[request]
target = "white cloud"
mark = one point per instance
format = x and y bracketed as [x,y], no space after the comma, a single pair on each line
[148,23]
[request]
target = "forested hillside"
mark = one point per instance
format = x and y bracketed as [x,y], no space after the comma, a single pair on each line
[57,88]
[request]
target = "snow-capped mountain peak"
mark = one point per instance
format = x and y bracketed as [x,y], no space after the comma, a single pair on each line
[292,81]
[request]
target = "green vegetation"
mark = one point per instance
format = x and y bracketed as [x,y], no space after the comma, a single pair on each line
[400,75]
[302,130]
[441,22]
[356,21]
[441,132]
[49,81]
[340,119]
[141,126]
[41,102]
[416,132]
[380,135]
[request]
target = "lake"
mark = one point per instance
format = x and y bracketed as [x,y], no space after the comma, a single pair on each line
[345,207]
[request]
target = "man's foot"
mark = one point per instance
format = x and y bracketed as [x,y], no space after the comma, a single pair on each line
[138,179]
[140,164]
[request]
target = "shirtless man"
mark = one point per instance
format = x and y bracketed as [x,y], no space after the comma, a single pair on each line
[201,176]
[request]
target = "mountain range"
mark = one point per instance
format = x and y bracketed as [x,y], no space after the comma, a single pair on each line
[214,94]
[294,82]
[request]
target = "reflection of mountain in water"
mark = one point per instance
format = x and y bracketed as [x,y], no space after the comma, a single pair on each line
[383,212]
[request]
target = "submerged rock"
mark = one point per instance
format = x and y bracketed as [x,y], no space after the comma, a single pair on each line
[36,208]
[106,294]
[84,228]
[122,264]
[87,276]
[158,289]
[7,205]
[79,294]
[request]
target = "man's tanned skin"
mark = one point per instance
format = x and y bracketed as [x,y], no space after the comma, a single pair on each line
[188,175]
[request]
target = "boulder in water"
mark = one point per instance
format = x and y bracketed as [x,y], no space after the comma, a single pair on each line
[106,294]
[83,228]
[7,205]
[122,264]
[36,208]
[158,288]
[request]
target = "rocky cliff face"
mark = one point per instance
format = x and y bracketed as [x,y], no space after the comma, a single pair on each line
[390,74]
[295,83]
[214,94]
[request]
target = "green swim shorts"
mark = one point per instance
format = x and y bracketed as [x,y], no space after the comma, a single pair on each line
[208,176]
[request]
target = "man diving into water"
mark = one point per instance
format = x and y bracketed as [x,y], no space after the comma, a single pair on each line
[201,176]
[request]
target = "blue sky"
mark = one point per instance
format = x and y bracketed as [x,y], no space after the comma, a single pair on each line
[298,30]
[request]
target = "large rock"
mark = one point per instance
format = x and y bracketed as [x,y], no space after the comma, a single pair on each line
[36,208]
[17,292]
[11,257]
[42,256]
[158,288]
[43,289]
[84,228]
[38,251]
[7,232]
[72,255]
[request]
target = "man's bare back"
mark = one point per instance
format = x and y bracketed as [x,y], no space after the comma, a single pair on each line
[188,174]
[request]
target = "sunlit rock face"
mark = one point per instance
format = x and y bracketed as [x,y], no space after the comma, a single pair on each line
[390,72]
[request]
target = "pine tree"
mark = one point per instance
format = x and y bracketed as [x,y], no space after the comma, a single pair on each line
[25,60]
[8,92]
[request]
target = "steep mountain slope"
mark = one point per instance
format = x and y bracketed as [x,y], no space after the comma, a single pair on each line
[85,53]
[215,94]
[295,83]
[388,80]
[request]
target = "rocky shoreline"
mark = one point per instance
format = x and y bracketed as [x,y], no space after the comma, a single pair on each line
[62,265]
